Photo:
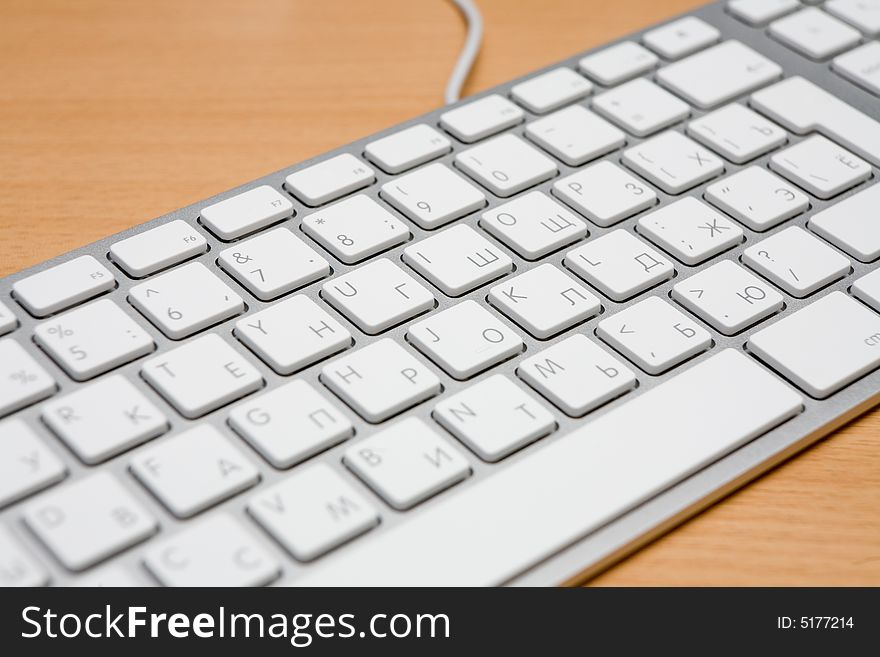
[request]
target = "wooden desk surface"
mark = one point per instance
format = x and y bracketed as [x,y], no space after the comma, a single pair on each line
[114,112]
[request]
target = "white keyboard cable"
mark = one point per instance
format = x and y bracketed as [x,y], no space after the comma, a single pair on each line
[469,51]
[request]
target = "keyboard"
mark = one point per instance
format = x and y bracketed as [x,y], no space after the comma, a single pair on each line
[507,342]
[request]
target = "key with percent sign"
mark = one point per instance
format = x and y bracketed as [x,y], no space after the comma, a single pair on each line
[23,381]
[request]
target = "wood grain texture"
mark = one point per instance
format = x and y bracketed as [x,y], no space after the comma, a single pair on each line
[113,112]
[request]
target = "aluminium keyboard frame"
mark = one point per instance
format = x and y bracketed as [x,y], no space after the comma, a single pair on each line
[598,549]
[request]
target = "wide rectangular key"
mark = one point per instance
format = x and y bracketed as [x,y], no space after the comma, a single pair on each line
[27,465]
[494,417]
[329,180]
[104,419]
[577,375]
[290,423]
[820,166]
[814,33]
[506,165]
[88,520]
[737,133]
[355,229]
[823,347]
[380,380]
[861,65]
[867,289]
[23,380]
[408,148]
[863,14]
[641,107]
[246,212]
[93,339]
[551,90]
[185,300]
[201,376]
[654,335]
[17,566]
[575,135]
[273,263]
[481,118]
[673,162]
[8,322]
[407,463]
[457,260]
[618,63]
[313,511]
[504,524]
[533,225]
[757,198]
[681,37]
[464,339]
[377,296]
[194,470]
[433,195]
[851,224]
[157,248]
[605,193]
[63,286]
[217,551]
[292,334]
[802,107]
[719,74]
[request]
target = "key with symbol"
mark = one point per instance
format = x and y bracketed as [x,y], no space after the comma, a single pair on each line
[820,166]
[673,162]
[23,381]
[27,465]
[757,198]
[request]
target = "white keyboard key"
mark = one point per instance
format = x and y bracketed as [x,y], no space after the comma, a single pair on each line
[377,296]
[796,261]
[160,247]
[17,566]
[618,63]
[727,297]
[408,148]
[273,263]
[760,12]
[494,418]
[690,230]
[719,74]
[575,135]
[654,335]
[619,264]
[329,180]
[104,419]
[7,320]
[545,301]
[851,225]
[23,381]
[246,212]
[185,300]
[88,520]
[312,512]
[26,464]
[63,286]
[577,375]
[681,37]
[457,260]
[506,165]
[380,380]
[217,551]
[867,288]
[824,346]
[93,339]
[533,225]
[481,118]
[407,463]
[201,376]
[502,527]
[757,198]
[292,334]
[861,65]
[194,470]
[802,107]
[109,577]
[814,33]
[433,195]
[737,133]
[355,229]
[465,339]
[290,423]
[863,14]
[641,107]
[673,162]
[605,193]
[551,90]
[820,166]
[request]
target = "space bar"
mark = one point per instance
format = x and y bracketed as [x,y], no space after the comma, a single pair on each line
[501,526]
